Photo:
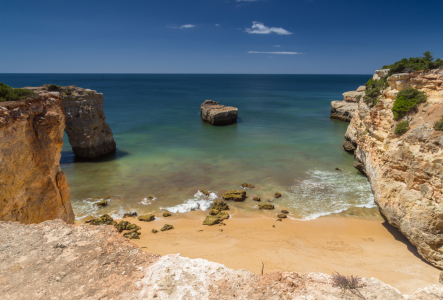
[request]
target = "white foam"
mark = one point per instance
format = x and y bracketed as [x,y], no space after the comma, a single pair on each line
[199,202]
[147,201]
[325,193]
[88,207]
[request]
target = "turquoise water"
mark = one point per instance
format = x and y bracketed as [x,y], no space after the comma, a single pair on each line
[284,142]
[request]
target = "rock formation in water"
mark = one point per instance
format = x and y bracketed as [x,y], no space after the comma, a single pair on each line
[32,186]
[53,260]
[405,171]
[216,114]
[344,110]
[89,135]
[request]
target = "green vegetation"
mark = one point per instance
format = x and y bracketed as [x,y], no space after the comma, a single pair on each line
[401,127]
[374,90]
[407,100]
[53,87]
[439,124]
[8,93]
[406,65]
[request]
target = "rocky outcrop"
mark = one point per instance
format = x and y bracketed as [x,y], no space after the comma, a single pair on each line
[53,260]
[405,172]
[216,114]
[33,187]
[353,96]
[342,110]
[89,135]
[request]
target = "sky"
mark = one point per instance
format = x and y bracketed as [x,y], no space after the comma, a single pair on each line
[216,36]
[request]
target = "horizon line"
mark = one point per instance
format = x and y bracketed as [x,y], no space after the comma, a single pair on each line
[192,73]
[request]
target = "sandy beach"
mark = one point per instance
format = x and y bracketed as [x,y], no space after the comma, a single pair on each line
[348,245]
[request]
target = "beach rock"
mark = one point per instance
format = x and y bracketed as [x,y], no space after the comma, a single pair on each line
[256,199]
[223,215]
[284,211]
[133,234]
[247,185]
[348,146]
[219,115]
[214,212]
[279,220]
[147,218]
[166,214]
[405,172]
[338,169]
[204,192]
[219,204]
[236,195]
[266,206]
[282,216]
[130,214]
[216,219]
[277,195]
[103,220]
[121,226]
[102,203]
[154,230]
[166,227]
[343,111]
[33,188]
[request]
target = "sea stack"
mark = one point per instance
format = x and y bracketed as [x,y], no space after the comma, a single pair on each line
[219,115]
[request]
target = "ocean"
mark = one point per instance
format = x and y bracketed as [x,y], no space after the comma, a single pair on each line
[284,142]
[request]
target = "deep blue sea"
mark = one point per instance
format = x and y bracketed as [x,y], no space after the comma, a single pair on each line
[284,142]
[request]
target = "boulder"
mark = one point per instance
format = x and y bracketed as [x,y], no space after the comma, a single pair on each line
[103,220]
[133,234]
[284,211]
[219,205]
[247,185]
[166,214]
[256,199]
[349,147]
[216,114]
[154,230]
[130,214]
[277,195]
[102,203]
[147,218]
[216,219]
[266,206]
[167,227]
[236,195]
[343,111]
[282,216]
[204,192]
[214,212]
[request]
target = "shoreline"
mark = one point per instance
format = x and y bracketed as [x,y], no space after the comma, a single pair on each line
[348,245]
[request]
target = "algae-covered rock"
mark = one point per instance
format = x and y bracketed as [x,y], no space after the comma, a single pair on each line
[279,220]
[167,227]
[166,214]
[214,212]
[102,203]
[133,227]
[211,220]
[133,234]
[266,206]
[122,225]
[236,195]
[204,192]
[247,185]
[105,219]
[220,205]
[284,211]
[130,214]
[154,230]
[282,216]
[256,199]
[277,195]
[146,218]
[223,215]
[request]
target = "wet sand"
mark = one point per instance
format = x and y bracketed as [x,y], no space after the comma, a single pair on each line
[348,245]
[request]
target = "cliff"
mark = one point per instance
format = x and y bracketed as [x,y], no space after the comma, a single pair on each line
[33,187]
[60,261]
[405,171]
[344,110]
[89,135]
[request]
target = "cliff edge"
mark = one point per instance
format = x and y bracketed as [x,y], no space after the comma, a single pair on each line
[33,187]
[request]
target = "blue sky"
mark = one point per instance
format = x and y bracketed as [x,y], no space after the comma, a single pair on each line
[215,36]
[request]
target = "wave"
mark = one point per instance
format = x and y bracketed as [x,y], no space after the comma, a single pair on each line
[199,202]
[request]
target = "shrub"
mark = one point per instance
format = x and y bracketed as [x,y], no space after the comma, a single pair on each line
[406,65]
[407,100]
[439,124]
[8,93]
[53,87]
[401,127]
[374,90]
[68,91]
[351,283]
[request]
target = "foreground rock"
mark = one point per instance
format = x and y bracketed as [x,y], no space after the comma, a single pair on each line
[89,134]
[236,195]
[33,188]
[405,171]
[53,260]
[216,114]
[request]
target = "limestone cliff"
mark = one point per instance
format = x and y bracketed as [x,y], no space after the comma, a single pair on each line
[405,172]
[89,134]
[33,188]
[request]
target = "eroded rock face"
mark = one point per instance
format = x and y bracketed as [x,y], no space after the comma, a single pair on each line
[405,172]
[89,134]
[342,110]
[216,114]
[33,188]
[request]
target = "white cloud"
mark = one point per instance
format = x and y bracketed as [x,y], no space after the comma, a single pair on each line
[286,53]
[259,28]
[218,25]
[277,46]
[187,26]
